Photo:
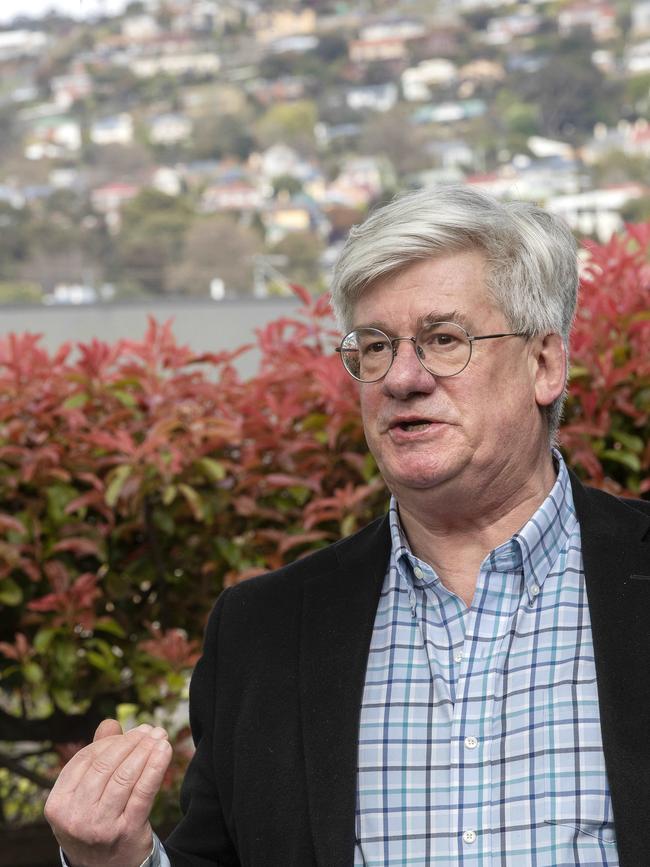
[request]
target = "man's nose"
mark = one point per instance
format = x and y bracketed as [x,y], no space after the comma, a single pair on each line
[407,375]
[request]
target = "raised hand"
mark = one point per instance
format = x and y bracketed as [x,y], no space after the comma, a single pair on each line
[99,807]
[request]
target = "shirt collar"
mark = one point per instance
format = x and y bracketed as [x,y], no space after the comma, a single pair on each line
[532,550]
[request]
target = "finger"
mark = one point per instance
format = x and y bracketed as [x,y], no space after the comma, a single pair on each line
[122,781]
[75,771]
[106,728]
[146,788]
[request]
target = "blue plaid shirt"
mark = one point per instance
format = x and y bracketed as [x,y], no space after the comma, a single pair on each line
[480,738]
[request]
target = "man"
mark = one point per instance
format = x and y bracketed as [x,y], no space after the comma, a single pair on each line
[462,682]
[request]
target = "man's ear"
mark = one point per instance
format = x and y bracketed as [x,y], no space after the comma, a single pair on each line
[550,368]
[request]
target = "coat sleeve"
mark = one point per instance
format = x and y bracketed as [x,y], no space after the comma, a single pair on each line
[201,838]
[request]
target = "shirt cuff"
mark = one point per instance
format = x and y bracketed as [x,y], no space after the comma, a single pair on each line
[156,858]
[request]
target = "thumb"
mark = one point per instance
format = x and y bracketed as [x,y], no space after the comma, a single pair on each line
[106,728]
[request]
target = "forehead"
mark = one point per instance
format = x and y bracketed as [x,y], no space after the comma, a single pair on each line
[454,283]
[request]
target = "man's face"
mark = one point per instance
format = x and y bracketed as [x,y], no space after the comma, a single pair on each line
[426,431]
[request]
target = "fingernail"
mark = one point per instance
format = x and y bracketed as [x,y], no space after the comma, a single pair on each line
[158,733]
[145,727]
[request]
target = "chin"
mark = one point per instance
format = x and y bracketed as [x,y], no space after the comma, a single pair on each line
[421,480]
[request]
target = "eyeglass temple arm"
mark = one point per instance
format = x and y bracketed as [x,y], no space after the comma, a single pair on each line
[505,334]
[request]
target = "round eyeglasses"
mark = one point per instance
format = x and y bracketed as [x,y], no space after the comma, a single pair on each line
[442,348]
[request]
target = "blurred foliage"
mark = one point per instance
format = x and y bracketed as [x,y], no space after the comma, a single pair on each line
[606,431]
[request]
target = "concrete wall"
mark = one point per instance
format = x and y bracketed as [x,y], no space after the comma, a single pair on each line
[206,326]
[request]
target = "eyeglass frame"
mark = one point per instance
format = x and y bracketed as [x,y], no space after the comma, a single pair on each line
[471,338]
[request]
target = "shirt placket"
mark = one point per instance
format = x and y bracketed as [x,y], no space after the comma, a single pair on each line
[469,773]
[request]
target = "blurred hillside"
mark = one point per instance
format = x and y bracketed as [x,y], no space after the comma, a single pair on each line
[218,149]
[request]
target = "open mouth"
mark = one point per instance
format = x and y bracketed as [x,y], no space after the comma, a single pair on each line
[414,424]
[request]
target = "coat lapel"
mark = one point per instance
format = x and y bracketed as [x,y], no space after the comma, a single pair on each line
[338,617]
[616,556]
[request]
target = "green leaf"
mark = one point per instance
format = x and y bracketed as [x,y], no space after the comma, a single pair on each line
[642,399]
[125,398]
[576,372]
[98,660]
[76,400]
[194,501]
[32,672]
[628,459]
[315,421]
[212,469]
[169,494]
[127,714]
[43,639]
[112,627]
[300,494]
[10,592]
[65,699]
[114,489]
[631,442]
[369,471]
[58,497]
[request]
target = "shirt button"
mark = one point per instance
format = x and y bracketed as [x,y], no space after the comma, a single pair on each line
[469,836]
[534,590]
[459,657]
[419,574]
[471,743]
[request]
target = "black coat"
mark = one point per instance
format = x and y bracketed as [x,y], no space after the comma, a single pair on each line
[275,700]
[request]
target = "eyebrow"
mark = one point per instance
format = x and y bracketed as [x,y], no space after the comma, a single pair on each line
[428,319]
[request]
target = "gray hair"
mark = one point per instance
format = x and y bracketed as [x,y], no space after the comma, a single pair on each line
[532,262]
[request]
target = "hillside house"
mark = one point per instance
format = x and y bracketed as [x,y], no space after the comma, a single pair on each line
[372,97]
[598,17]
[169,129]
[377,50]
[114,130]
[418,81]
[274,25]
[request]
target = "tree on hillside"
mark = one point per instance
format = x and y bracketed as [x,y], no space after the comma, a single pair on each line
[303,251]
[216,248]
[222,135]
[571,93]
[392,134]
[151,239]
[290,123]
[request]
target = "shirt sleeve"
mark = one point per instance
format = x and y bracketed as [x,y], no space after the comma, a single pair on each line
[156,858]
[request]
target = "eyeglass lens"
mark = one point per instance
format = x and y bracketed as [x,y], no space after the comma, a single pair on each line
[442,347]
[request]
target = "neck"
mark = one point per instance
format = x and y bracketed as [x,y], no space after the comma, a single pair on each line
[453,531]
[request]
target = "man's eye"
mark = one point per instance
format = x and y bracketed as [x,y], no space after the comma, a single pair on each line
[375,348]
[439,339]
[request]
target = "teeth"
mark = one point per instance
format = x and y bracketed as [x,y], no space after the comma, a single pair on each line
[414,425]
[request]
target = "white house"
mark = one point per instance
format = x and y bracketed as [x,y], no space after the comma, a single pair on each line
[417,81]
[52,137]
[197,64]
[404,28]
[599,17]
[170,129]
[116,129]
[21,43]
[67,89]
[375,97]
[140,28]
[637,58]
[596,212]
[641,19]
